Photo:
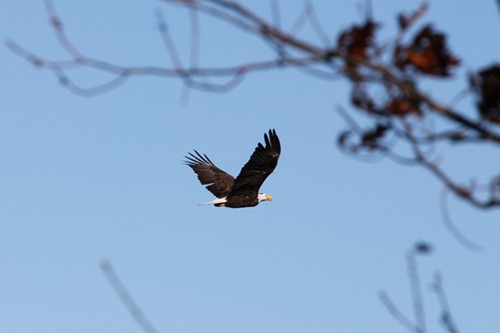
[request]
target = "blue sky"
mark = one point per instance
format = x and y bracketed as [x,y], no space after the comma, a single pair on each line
[88,178]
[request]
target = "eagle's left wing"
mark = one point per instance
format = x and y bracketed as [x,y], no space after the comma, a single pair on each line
[218,181]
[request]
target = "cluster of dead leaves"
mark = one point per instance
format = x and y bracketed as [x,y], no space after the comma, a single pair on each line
[402,106]
[370,139]
[358,41]
[427,53]
[423,52]
[486,84]
[396,104]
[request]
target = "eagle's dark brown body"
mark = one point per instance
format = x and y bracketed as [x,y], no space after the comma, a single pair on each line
[239,201]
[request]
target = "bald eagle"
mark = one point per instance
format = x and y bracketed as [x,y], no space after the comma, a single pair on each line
[244,190]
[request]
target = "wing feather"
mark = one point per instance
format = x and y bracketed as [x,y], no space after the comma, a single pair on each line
[261,164]
[218,181]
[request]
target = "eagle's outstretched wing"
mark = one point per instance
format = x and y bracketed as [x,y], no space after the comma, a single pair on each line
[261,164]
[219,182]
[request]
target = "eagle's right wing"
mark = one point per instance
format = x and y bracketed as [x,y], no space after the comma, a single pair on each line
[261,164]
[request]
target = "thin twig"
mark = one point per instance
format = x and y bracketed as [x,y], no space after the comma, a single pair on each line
[316,25]
[195,38]
[418,303]
[126,298]
[170,45]
[396,313]
[420,248]
[446,317]
[251,22]
[172,52]
[459,190]
[275,11]
[452,228]
[59,30]
[300,20]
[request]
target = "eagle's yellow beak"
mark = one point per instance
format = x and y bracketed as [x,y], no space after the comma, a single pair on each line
[270,198]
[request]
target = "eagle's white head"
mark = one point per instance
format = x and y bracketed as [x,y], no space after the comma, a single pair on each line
[264,197]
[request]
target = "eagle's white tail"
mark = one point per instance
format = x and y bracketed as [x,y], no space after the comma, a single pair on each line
[217,202]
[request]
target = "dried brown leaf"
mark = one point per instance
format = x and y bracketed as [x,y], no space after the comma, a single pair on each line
[486,83]
[427,54]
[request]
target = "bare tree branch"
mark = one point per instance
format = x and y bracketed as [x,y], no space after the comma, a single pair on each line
[457,234]
[446,317]
[459,190]
[419,326]
[416,294]
[416,289]
[126,298]
[401,112]
[396,313]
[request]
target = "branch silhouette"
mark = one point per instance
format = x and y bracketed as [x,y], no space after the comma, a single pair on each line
[418,325]
[401,115]
[126,299]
